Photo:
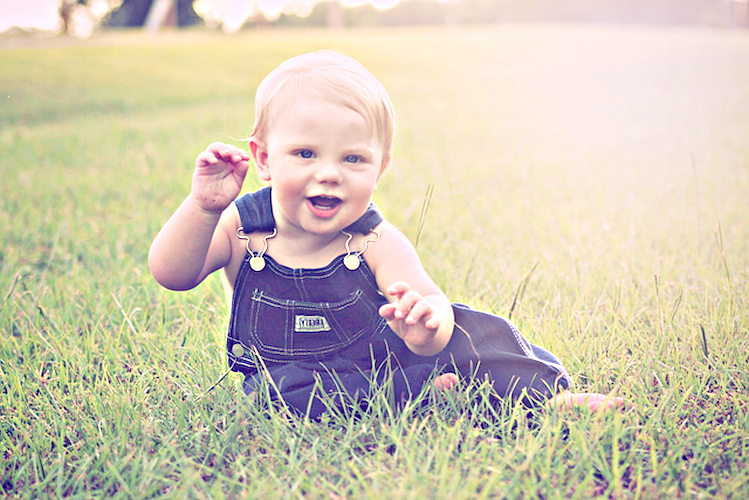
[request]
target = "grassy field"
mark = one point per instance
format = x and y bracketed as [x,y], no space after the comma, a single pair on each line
[590,181]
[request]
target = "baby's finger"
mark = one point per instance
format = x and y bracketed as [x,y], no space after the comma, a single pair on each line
[397,289]
[387,311]
[405,303]
[207,158]
[225,154]
[433,322]
[216,147]
[233,154]
[420,310]
[218,150]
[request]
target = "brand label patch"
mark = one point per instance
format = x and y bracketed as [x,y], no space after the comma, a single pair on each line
[311,324]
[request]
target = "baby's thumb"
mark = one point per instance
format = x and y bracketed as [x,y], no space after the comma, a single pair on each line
[397,289]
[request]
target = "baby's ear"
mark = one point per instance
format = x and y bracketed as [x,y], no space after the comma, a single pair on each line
[384,167]
[260,156]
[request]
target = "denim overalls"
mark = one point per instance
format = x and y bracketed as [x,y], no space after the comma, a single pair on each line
[319,330]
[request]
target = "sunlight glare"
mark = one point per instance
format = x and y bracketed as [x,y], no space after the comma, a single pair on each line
[384,4]
[272,8]
[299,8]
[37,15]
[353,3]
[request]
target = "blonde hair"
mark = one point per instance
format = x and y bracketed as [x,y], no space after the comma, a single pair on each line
[333,76]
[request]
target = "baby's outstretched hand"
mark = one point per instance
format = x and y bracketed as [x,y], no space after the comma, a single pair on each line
[219,173]
[411,316]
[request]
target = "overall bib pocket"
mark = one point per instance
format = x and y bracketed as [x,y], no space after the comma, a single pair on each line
[292,330]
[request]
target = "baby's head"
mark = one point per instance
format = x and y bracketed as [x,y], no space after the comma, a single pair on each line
[331,76]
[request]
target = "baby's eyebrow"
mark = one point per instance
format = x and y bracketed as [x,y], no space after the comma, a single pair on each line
[299,146]
[361,150]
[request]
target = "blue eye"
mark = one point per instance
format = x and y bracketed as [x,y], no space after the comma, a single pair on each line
[306,154]
[352,159]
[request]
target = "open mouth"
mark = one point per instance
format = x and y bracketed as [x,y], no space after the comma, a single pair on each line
[325,202]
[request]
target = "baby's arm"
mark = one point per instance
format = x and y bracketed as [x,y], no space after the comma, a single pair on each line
[418,311]
[189,247]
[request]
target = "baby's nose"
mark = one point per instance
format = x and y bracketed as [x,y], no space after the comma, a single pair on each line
[328,172]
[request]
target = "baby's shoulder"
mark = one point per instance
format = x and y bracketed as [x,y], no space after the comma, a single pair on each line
[391,244]
[389,234]
[230,220]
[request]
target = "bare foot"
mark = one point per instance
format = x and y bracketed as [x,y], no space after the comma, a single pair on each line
[446,381]
[593,401]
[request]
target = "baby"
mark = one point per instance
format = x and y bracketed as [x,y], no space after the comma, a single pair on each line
[325,294]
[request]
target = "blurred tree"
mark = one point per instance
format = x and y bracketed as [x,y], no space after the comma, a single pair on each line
[80,18]
[133,13]
[66,11]
[186,15]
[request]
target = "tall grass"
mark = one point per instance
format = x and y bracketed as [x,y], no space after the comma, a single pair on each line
[589,181]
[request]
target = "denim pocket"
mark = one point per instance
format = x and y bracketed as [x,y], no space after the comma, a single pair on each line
[289,330]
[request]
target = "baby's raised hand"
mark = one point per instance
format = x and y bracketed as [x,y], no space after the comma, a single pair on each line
[219,173]
[411,316]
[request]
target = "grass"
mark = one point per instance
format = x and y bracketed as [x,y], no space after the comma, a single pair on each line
[589,181]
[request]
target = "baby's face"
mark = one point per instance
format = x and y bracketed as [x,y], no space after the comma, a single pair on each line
[324,162]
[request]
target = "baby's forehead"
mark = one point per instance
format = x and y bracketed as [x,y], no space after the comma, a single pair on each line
[289,98]
[291,94]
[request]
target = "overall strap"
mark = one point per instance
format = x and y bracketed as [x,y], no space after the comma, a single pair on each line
[256,213]
[366,222]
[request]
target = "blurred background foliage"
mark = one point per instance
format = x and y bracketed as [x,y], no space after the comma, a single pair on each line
[82,18]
